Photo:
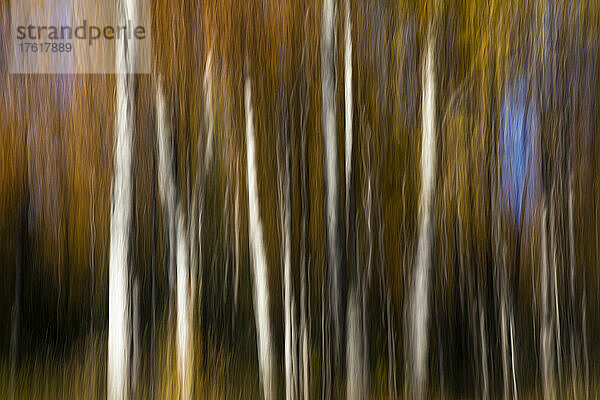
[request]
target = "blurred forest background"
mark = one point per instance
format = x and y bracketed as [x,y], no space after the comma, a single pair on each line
[422,190]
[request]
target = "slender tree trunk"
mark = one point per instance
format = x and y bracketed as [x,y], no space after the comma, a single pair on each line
[348,105]
[184,328]
[504,325]
[386,301]
[573,316]
[204,165]
[192,230]
[546,329]
[419,311]
[364,277]
[586,359]
[178,246]
[328,82]
[354,357]
[304,260]
[259,261]
[168,193]
[355,330]
[512,355]
[283,161]
[134,286]
[119,336]
[554,271]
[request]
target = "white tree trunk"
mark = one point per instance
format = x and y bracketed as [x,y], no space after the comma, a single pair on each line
[304,279]
[178,245]
[546,329]
[259,260]
[419,312]
[208,109]
[505,316]
[166,181]
[288,316]
[305,345]
[329,137]
[355,386]
[348,92]
[288,296]
[554,263]
[202,172]
[574,361]
[119,318]
[355,334]
[184,336]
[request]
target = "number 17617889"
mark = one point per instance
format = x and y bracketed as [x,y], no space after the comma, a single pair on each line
[47,47]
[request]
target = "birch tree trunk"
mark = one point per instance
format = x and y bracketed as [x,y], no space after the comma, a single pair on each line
[547,332]
[355,357]
[119,321]
[328,82]
[258,256]
[285,214]
[419,312]
[178,245]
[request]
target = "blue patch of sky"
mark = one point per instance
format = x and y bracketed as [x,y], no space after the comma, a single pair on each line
[519,126]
